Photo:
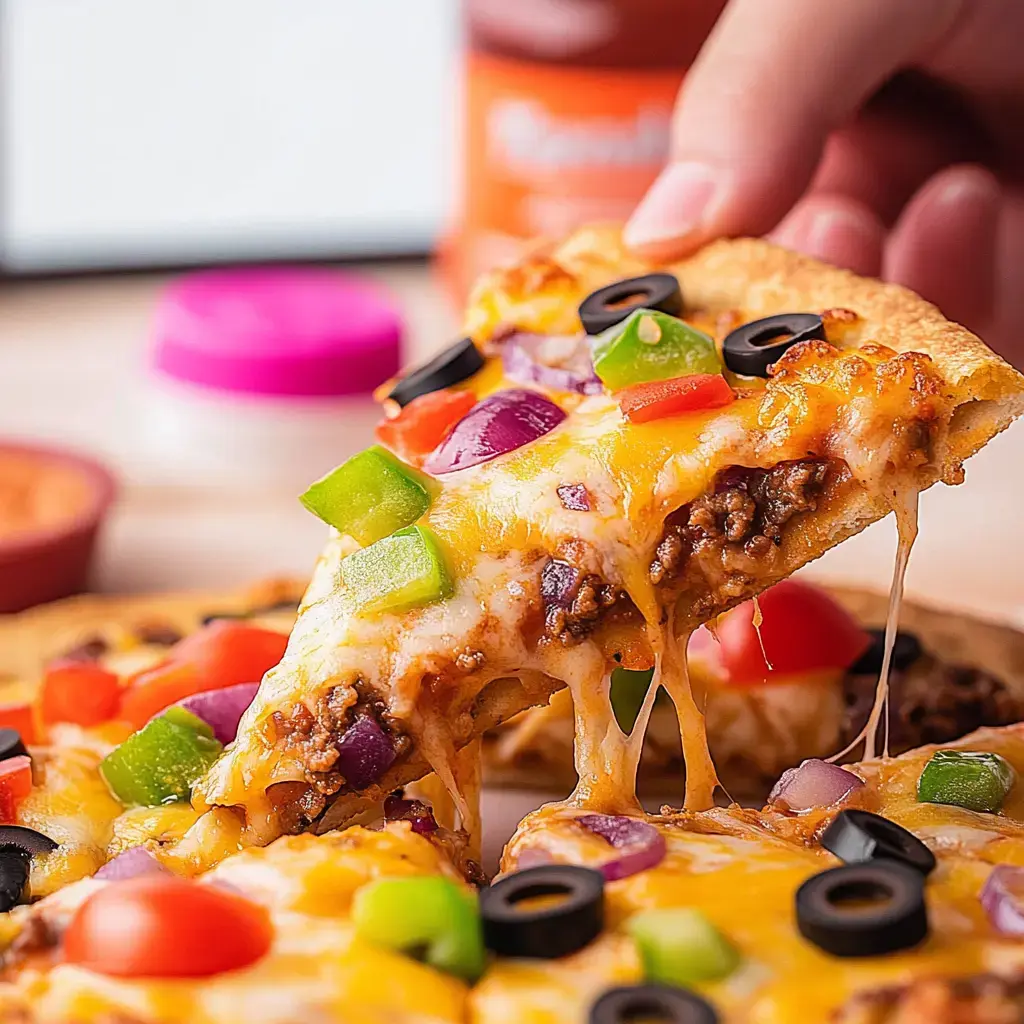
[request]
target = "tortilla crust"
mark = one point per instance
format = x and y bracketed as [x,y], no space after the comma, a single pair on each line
[542,758]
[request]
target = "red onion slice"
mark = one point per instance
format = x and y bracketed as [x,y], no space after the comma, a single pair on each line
[1002,896]
[131,864]
[813,783]
[416,812]
[365,752]
[560,363]
[222,709]
[533,857]
[642,845]
[574,497]
[500,423]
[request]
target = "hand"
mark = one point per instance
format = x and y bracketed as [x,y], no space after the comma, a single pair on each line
[882,135]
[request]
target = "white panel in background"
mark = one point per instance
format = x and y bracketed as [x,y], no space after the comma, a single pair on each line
[148,131]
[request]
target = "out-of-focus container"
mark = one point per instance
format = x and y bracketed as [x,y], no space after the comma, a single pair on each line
[263,377]
[567,114]
[52,505]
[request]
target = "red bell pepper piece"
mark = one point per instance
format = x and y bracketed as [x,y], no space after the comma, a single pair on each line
[80,692]
[21,718]
[15,785]
[657,399]
[424,423]
[224,653]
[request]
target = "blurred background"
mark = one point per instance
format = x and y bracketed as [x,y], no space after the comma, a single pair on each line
[385,151]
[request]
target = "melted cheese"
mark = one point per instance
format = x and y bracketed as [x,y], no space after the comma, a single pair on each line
[316,969]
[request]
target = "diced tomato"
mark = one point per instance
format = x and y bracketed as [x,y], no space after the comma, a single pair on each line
[21,718]
[149,692]
[15,784]
[80,692]
[424,423]
[656,399]
[161,926]
[803,630]
[221,654]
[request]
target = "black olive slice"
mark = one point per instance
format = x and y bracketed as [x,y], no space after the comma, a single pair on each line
[863,909]
[906,649]
[551,928]
[14,870]
[11,744]
[611,304]
[858,837]
[27,839]
[752,348]
[654,1003]
[454,364]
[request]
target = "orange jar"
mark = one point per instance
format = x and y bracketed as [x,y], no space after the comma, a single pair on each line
[567,113]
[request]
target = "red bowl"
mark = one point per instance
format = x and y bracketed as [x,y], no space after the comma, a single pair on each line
[51,562]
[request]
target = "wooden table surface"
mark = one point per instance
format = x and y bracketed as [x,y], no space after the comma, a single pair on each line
[72,356]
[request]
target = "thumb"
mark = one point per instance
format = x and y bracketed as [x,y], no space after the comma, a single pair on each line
[774,78]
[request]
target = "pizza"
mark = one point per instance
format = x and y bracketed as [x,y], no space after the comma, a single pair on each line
[614,454]
[886,892]
[950,674]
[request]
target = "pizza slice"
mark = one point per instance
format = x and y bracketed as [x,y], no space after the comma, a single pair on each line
[950,674]
[547,498]
[886,892]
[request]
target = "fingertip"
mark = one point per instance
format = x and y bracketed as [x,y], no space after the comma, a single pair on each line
[671,220]
[944,244]
[837,229]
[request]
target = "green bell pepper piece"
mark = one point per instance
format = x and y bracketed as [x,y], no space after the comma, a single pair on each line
[433,919]
[369,496]
[978,781]
[649,345]
[401,571]
[628,689]
[159,763]
[680,946]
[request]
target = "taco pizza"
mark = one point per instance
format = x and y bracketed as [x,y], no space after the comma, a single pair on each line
[615,454]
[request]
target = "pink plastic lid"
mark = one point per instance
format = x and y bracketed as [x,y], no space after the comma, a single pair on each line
[277,331]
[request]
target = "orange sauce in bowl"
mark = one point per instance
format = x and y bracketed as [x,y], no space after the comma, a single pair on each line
[37,493]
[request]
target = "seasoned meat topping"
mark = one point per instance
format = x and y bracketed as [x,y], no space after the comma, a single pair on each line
[314,739]
[976,999]
[931,702]
[747,509]
[574,601]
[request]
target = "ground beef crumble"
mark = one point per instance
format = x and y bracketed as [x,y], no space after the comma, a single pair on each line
[930,701]
[574,601]
[747,510]
[314,737]
[975,999]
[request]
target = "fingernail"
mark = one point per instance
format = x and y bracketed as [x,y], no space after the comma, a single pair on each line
[829,234]
[675,206]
